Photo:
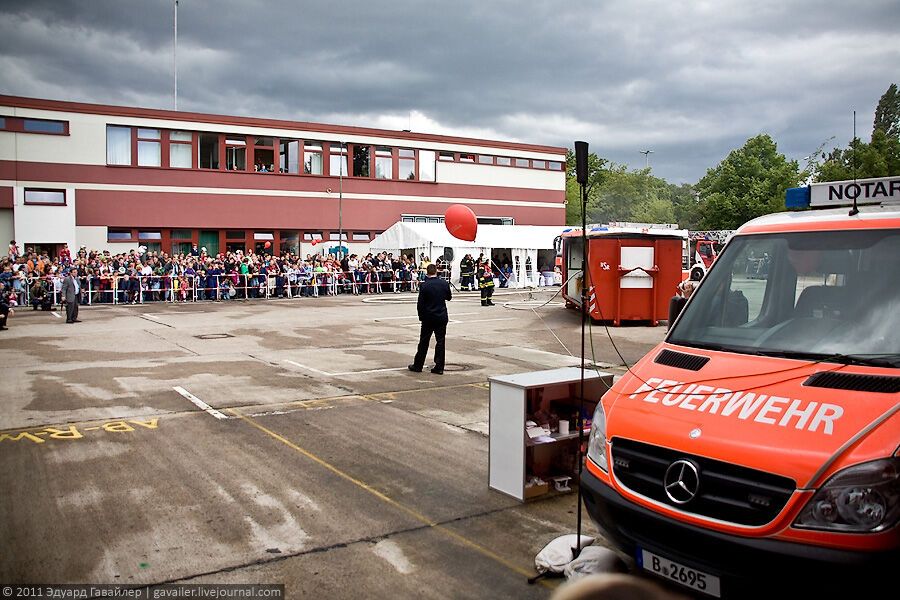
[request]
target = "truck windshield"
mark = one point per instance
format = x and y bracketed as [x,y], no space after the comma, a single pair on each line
[824,295]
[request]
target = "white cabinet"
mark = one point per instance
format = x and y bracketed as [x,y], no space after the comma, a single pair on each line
[545,397]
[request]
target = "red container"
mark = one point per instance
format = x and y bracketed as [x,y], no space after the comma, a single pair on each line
[632,273]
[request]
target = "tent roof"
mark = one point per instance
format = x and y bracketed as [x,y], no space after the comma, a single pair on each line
[418,235]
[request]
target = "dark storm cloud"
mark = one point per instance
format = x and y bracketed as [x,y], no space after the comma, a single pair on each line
[690,80]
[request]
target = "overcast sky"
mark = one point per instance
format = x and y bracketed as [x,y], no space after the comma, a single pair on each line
[690,80]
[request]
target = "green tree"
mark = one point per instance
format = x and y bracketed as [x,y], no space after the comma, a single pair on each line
[750,182]
[887,113]
[685,205]
[880,157]
[596,176]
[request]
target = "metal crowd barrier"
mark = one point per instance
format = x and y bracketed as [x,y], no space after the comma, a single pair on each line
[119,290]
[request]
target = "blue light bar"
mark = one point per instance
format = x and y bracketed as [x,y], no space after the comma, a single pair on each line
[797,197]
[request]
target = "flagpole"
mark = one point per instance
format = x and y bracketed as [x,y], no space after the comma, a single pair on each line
[175,55]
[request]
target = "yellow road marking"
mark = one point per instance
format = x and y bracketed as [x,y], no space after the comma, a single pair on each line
[411,512]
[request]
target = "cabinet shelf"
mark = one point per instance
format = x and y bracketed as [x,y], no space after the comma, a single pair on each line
[514,399]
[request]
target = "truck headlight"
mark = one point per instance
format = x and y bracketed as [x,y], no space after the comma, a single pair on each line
[597,441]
[860,499]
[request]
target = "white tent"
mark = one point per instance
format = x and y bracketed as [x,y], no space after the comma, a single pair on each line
[433,239]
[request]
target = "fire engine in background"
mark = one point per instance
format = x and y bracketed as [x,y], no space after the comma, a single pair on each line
[756,451]
[701,250]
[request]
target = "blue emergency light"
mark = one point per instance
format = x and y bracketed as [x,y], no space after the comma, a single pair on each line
[797,197]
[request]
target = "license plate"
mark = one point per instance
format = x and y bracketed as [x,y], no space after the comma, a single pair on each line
[680,574]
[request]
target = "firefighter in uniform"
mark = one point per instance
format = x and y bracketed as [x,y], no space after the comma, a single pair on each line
[467,271]
[486,283]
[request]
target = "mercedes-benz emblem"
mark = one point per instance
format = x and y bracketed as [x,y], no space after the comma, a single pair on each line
[695,433]
[682,481]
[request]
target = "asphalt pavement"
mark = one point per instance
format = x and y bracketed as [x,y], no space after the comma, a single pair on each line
[277,441]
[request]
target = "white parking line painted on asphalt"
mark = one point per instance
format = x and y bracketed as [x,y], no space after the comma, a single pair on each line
[486,320]
[56,314]
[378,320]
[327,374]
[151,316]
[369,371]
[296,364]
[199,403]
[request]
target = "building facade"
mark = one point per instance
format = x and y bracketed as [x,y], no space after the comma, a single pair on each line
[109,177]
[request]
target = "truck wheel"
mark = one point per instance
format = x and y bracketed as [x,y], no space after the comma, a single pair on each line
[696,274]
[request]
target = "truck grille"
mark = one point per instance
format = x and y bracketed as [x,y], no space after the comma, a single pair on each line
[720,490]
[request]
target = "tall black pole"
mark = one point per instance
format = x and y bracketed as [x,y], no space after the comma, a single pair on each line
[581,156]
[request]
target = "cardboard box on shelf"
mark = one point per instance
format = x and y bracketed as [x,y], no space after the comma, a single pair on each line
[535,490]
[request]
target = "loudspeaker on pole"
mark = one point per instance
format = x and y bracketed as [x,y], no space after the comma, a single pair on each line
[581,160]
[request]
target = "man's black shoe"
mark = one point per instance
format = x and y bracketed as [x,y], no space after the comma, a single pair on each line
[437,371]
[3,328]
[414,368]
[77,321]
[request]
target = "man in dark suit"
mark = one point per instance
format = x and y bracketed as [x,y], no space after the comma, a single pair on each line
[70,291]
[432,307]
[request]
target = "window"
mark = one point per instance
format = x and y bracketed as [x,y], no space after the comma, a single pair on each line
[361,161]
[446,156]
[118,235]
[235,235]
[466,158]
[264,155]
[118,145]
[360,236]
[290,242]
[236,153]
[539,164]
[2,122]
[209,151]
[289,156]
[504,161]
[149,235]
[265,236]
[522,162]
[555,166]
[312,235]
[384,163]
[312,158]
[181,149]
[43,126]
[181,234]
[337,163]
[426,165]
[485,160]
[52,197]
[335,236]
[407,163]
[148,147]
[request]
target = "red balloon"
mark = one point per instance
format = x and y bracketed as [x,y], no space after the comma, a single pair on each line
[461,222]
[268,245]
[314,242]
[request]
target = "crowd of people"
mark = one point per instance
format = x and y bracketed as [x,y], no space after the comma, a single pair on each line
[33,278]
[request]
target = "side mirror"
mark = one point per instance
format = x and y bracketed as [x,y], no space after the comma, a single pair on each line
[676,305]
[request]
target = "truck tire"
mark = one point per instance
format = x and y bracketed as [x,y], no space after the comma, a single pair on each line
[697,274]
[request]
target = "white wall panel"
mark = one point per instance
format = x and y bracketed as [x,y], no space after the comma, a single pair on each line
[44,224]
[94,238]
[7,230]
[475,174]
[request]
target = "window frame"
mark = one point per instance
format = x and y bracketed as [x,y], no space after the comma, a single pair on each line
[136,142]
[25,201]
[17,125]
[169,142]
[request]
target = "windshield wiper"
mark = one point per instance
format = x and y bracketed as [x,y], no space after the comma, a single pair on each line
[890,360]
[871,360]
